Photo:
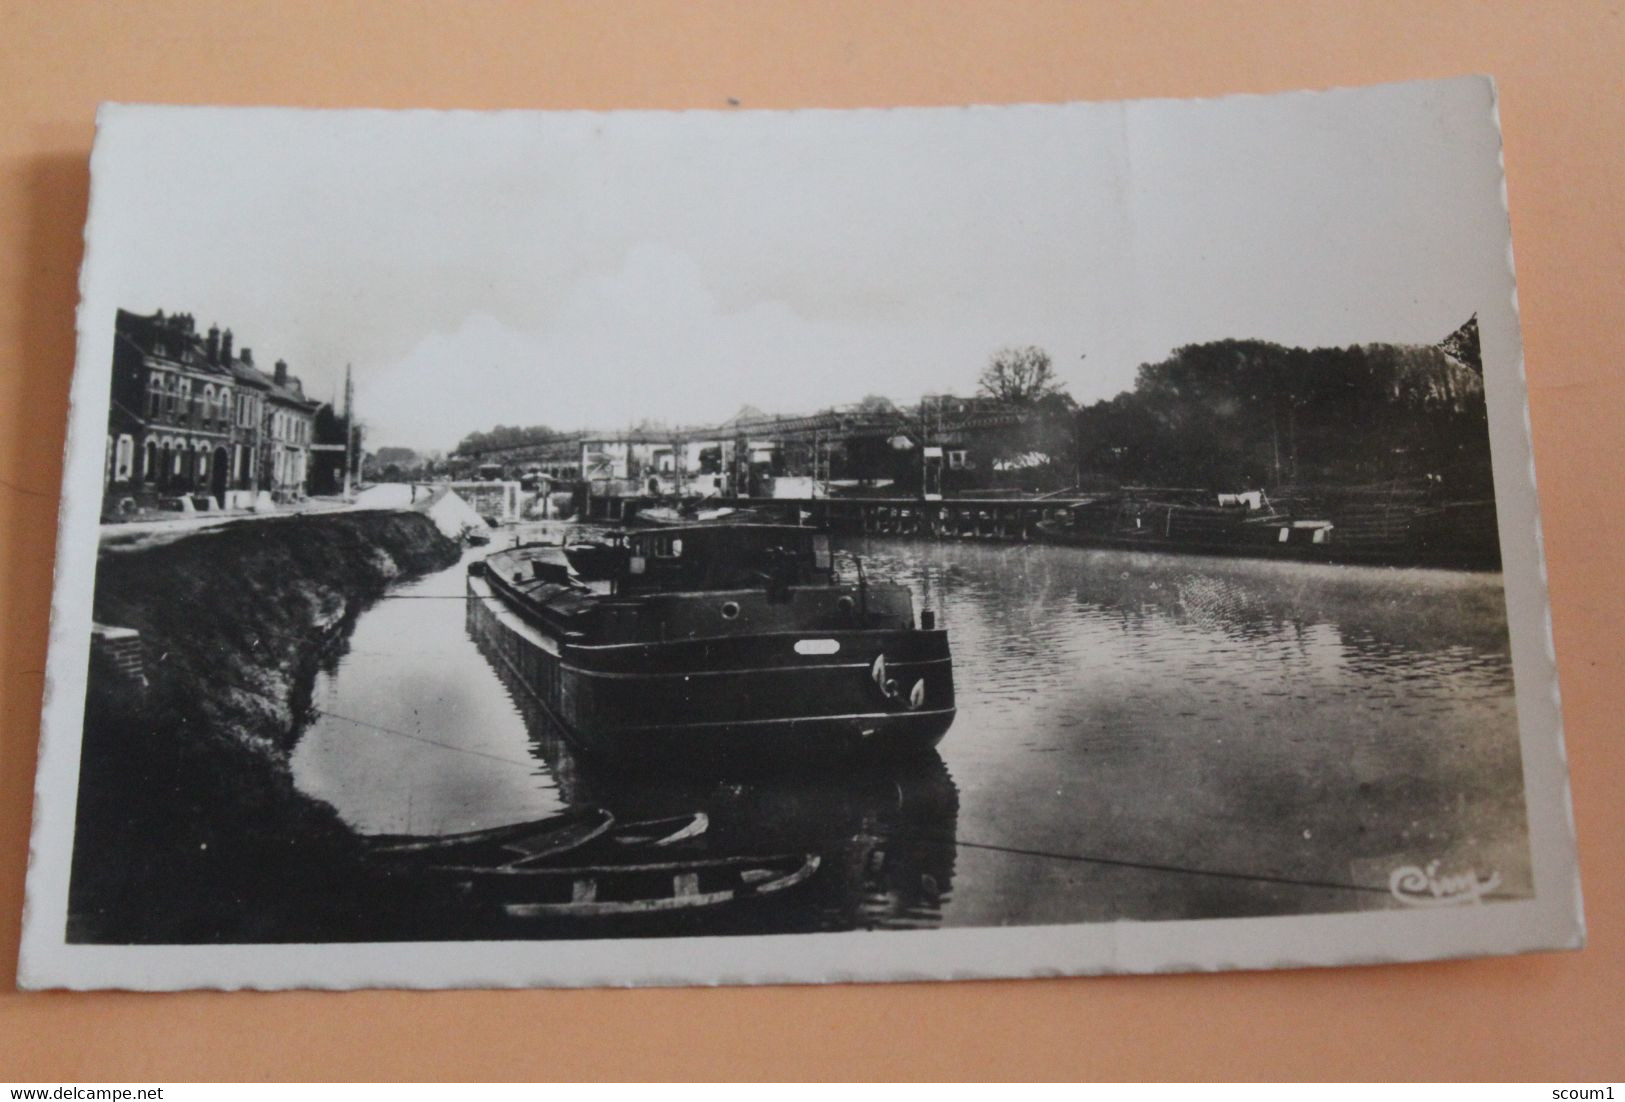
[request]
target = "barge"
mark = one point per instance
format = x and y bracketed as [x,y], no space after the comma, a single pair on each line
[1458,535]
[719,645]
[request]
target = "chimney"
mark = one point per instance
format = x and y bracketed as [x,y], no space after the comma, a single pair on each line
[247,356]
[281,373]
[213,345]
[225,347]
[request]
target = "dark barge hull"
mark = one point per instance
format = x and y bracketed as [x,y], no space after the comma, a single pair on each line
[1384,552]
[749,700]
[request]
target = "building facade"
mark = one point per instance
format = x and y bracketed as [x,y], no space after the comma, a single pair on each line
[288,428]
[191,418]
[942,446]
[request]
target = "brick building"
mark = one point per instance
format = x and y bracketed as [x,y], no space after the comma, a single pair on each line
[193,419]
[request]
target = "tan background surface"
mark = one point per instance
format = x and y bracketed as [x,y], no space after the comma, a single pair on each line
[1562,72]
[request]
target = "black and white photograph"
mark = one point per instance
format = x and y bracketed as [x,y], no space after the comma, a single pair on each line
[750,546]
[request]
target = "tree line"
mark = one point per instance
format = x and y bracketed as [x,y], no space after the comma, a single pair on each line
[1224,414]
[506,436]
[1238,413]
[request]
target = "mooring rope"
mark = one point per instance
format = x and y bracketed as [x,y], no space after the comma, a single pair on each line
[1019,851]
[528,765]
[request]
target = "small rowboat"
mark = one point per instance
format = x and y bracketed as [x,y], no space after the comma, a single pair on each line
[659,833]
[495,847]
[600,891]
[538,842]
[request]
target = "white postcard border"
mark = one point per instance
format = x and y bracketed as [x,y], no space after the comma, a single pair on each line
[1551,920]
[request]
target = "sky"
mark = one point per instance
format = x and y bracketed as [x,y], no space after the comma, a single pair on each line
[596,270]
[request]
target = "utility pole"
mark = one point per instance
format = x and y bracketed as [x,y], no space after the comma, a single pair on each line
[925,436]
[349,429]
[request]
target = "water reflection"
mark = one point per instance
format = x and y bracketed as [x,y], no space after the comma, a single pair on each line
[883,834]
[1139,737]
[1299,724]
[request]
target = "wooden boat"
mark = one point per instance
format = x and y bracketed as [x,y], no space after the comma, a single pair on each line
[692,513]
[659,833]
[511,844]
[599,891]
[539,842]
[718,645]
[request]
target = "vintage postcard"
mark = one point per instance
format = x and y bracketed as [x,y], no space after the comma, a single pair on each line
[744,547]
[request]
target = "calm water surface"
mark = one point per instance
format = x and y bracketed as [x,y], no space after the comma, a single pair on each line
[1139,736]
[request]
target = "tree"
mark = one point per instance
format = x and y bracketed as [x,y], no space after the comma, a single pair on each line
[1020,376]
[1233,413]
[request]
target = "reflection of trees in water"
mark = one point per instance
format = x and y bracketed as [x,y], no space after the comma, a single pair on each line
[883,830]
[1027,597]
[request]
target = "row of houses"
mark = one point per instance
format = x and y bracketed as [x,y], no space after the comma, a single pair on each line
[192,417]
[945,444]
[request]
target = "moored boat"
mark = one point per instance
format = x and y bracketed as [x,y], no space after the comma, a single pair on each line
[512,843]
[604,891]
[1460,535]
[717,645]
[684,515]
[660,833]
[536,842]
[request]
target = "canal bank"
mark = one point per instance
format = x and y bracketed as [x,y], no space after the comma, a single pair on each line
[1141,737]
[189,827]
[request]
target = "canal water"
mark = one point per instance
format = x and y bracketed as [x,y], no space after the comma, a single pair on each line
[1139,737]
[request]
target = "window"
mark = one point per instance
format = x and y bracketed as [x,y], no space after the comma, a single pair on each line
[155,394]
[956,460]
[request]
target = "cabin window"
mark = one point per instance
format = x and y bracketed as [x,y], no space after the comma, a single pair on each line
[821,555]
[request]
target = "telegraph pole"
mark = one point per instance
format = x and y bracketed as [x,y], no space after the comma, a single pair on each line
[349,429]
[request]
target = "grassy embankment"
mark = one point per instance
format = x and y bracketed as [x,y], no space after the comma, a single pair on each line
[189,827]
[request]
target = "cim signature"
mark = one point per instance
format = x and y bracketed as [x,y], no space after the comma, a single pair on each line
[1424,887]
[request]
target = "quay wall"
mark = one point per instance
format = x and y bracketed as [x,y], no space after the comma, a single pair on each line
[189,826]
